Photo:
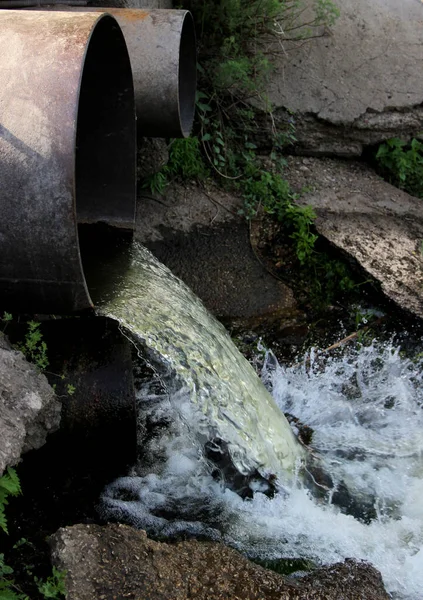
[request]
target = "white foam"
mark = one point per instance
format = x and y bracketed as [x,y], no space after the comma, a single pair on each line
[366,412]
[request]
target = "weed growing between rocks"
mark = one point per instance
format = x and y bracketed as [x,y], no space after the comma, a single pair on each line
[237,46]
[35,350]
[401,164]
[33,347]
[53,586]
[185,162]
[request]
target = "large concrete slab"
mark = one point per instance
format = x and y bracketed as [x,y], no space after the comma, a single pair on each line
[377,224]
[364,77]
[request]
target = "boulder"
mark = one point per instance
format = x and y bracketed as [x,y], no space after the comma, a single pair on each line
[356,85]
[378,225]
[116,561]
[29,408]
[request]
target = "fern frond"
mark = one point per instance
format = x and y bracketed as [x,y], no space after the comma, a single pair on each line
[10,482]
[9,486]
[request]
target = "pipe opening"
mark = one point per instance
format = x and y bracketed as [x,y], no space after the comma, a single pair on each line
[105,138]
[67,152]
[187,76]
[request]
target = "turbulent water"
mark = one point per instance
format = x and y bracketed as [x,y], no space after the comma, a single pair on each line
[164,317]
[365,409]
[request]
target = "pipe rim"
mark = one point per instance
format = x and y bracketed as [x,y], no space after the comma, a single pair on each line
[80,164]
[187,75]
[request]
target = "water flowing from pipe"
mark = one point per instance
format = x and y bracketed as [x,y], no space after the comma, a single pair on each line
[162,315]
[365,409]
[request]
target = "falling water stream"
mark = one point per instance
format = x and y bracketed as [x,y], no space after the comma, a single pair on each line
[365,409]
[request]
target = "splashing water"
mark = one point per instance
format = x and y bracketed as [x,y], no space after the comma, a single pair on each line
[365,409]
[163,315]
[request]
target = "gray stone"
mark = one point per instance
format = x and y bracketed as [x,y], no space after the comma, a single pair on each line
[29,409]
[117,561]
[357,85]
[377,224]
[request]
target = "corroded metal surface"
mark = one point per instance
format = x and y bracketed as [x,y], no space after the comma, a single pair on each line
[161,45]
[67,150]
[162,48]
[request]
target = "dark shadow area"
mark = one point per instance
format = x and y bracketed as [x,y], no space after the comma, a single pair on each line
[62,481]
[106,132]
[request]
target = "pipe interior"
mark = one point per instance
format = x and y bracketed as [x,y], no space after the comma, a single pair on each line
[106,130]
[187,77]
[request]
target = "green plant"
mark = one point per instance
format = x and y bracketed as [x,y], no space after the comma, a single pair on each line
[7,317]
[185,162]
[70,389]
[157,182]
[238,39]
[238,43]
[54,586]
[301,219]
[271,192]
[8,588]
[402,164]
[9,486]
[33,346]
[185,159]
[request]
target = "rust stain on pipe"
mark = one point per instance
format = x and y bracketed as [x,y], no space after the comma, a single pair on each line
[67,151]
[162,48]
[130,16]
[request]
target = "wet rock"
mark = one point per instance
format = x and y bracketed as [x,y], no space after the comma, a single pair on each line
[29,409]
[197,233]
[357,85]
[219,266]
[378,225]
[117,561]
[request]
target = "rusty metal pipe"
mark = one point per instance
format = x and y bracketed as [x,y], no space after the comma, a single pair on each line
[26,3]
[67,151]
[162,48]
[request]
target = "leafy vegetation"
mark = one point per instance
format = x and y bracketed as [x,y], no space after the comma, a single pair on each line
[269,191]
[9,486]
[238,43]
[401,163]
[35,350]
[185,162]
[34,347]
[52,587]
[239,40]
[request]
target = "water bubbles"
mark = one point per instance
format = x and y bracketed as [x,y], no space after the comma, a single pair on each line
[362,411]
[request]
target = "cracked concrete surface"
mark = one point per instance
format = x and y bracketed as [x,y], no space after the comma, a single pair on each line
[365,77]
[380,226]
